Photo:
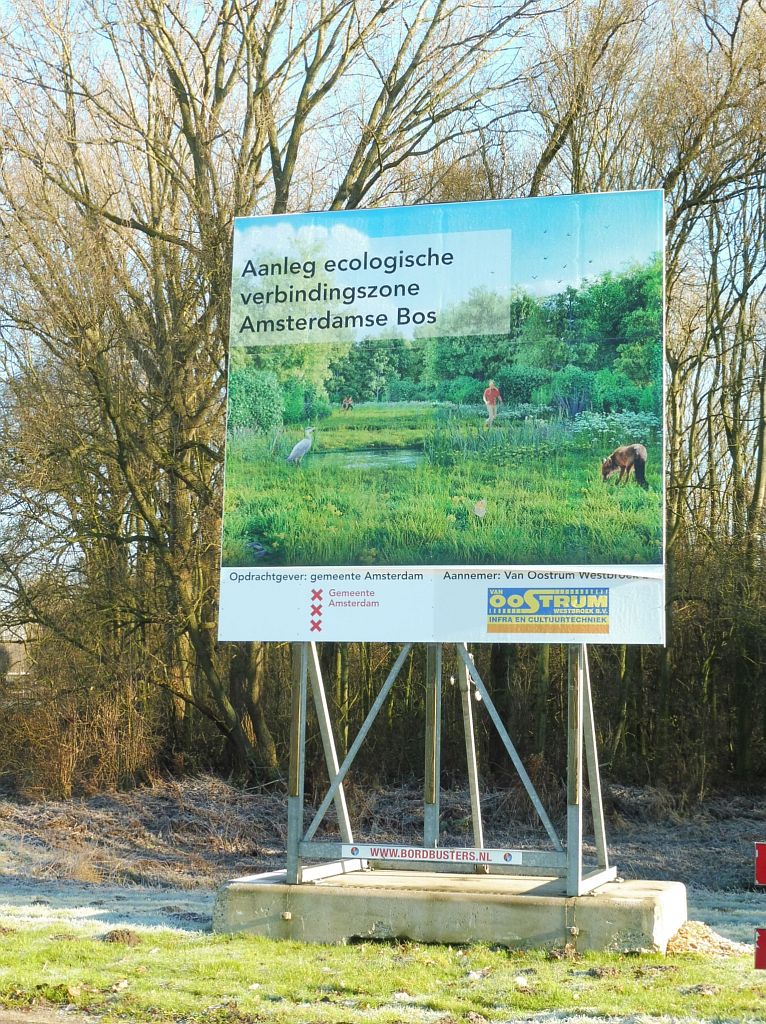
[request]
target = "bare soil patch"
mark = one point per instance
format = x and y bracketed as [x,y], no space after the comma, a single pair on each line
[696,937]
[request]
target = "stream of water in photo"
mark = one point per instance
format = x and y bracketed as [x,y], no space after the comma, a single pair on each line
[372,458]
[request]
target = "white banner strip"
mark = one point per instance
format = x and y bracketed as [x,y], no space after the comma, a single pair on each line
[427,855]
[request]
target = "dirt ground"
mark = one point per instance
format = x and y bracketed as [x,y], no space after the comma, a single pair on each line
[154,856]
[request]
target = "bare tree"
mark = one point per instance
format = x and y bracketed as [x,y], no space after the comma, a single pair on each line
[134,132]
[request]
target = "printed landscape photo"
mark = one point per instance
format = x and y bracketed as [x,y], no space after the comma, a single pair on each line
[455,442]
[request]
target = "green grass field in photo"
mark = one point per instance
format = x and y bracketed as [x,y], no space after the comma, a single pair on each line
[428,484]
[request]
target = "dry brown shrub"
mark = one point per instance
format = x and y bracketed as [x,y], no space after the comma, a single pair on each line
[62,736]
[77,865]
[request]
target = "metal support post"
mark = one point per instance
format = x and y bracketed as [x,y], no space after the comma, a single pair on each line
[470,753]
[594,776]
[348,760]
[295,789]
[574,768]
[508,744]
[433,745]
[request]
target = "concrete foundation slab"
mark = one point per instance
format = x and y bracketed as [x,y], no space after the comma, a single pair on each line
[436,907]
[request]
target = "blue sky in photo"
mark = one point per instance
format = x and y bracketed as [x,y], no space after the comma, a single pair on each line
[557,241]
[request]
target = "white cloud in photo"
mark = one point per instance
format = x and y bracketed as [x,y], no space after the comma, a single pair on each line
[476,260]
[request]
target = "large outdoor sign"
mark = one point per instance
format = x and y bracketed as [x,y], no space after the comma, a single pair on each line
[445,424]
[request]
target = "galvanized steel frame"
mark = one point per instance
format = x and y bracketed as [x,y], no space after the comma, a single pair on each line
[564,861]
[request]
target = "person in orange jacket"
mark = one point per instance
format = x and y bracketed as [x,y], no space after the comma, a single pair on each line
[491,398]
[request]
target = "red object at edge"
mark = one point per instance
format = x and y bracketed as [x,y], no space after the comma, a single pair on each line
[760,949]
[760,863]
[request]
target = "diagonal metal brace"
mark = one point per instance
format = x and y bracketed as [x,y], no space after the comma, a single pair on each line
[354,749]
[508,744]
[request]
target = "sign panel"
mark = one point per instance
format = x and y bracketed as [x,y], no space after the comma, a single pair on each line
[445,424]
[430,855]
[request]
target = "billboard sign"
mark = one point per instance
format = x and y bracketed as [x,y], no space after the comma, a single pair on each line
[446,424]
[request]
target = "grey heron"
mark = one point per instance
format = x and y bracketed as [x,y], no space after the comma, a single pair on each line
[301,447]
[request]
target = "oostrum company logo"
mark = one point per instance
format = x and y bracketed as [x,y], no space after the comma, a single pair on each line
[548,610]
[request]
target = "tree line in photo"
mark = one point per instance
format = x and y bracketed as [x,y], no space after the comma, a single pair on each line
[595,347]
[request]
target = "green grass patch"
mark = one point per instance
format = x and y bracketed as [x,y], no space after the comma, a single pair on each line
[244,978]
[372,426]
[522,492]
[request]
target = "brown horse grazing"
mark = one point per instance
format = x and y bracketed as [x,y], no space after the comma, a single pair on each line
[630,456]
